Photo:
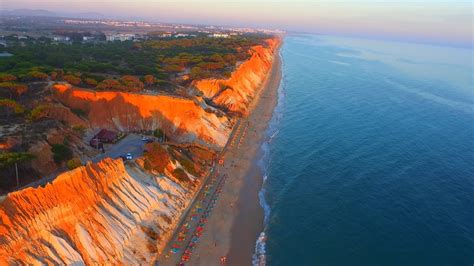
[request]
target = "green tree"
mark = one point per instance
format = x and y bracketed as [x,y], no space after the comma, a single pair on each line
[10,106]
[73,80]
[36,76]
[13,88]
[61,153]
[4,77]
[149,80]
[132,83]
[73,163]
[90,81]
[39,112]
[109,84]
[158,133]
[14,158]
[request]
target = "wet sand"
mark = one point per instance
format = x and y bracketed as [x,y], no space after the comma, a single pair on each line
[237,218]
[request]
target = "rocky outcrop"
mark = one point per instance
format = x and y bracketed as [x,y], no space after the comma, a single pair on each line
[64,114]
[183,119]
[235,93]
[103,213]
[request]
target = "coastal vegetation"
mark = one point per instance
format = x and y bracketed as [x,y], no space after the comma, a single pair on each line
[32,118]
[124,65]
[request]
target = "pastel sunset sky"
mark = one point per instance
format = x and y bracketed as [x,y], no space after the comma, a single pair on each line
[432,21]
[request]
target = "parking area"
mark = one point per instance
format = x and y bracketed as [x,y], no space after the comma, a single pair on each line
[132,143]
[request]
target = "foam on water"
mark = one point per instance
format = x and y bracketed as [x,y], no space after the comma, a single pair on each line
[372,165]
[259,257]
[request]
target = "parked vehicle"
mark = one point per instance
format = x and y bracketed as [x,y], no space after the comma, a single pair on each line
[147,139]
[127,156]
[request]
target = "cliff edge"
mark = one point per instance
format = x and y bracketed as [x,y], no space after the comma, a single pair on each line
[91,215]
[235,94]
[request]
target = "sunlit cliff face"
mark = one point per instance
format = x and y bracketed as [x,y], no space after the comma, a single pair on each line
[235,93]
[112,213]
[182,119]
[93,214]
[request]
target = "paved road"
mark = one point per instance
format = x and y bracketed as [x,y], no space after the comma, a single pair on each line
[131,143]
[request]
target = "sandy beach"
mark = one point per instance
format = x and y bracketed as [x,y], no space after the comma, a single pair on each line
[237,218]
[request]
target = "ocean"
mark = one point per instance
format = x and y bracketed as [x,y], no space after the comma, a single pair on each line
[370,155]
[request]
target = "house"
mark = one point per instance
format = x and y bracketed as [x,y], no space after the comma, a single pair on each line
[219,35]
[61,38]
[104,136]
[119,37]
[88,38]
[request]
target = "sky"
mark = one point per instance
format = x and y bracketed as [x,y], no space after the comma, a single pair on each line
[448,22]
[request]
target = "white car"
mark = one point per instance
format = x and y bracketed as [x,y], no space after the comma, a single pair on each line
[127,156]
[147,139]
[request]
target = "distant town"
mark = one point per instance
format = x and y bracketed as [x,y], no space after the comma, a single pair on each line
[69,30]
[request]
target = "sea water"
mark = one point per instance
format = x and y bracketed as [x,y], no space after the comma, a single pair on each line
[370,155]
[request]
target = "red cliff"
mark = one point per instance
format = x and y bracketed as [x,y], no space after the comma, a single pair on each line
[94,214]
[109,213]
[183,119]
[235,93]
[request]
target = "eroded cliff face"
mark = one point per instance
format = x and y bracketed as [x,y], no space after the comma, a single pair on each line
[103,213]
[235,93]
[115,213]
[184,120]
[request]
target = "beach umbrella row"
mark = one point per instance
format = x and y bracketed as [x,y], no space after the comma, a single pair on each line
[202,221]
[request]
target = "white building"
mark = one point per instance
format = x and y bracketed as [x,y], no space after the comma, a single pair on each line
[61,38]
[87,38]
[119,37]
[181,35]
[219,35]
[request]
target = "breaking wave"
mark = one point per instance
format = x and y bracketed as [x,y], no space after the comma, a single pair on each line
[259,257]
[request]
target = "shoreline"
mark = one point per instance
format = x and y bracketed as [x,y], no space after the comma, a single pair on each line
[237,219]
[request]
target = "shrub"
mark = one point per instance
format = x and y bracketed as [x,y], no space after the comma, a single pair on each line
[61,153]
[73,163]
[38,112]
[73,80]
[132,83]
[4,77]
[35,76]
[57,74]
[109,84]
[188,165]
[13,105]
[158,133]
[13,88]
[90,81]
[181,175]
[10,158]
[79,112]
[80,129]
[149,80]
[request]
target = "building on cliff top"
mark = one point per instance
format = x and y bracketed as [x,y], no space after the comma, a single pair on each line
[104,136]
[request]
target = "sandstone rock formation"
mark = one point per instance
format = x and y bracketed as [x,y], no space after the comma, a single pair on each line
[235,93]
[180,118]
[121,214]
[92,214]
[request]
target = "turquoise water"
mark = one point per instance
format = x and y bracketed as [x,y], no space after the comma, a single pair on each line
[370,159]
